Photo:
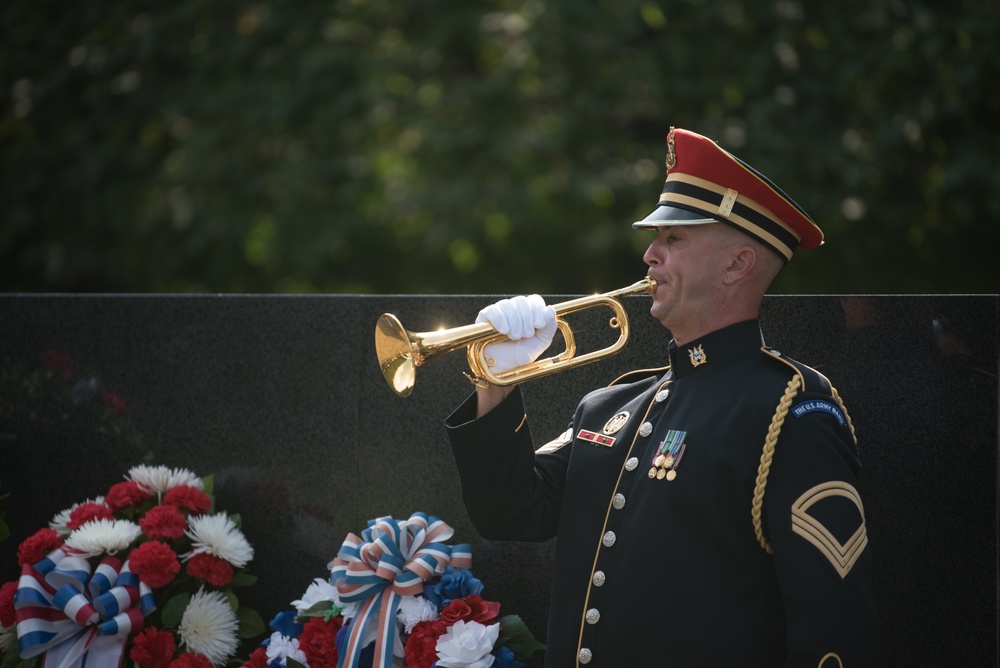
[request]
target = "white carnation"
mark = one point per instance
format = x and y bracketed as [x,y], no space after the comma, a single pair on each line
[416,609]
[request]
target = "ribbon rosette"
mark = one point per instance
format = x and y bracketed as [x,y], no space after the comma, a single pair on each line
[75,617]
[390,560]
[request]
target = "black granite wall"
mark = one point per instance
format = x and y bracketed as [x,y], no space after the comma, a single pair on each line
[282,400]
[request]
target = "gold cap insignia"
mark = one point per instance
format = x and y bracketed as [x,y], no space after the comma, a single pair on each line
[671,161]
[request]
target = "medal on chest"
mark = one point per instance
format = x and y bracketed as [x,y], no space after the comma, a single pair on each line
[668,456]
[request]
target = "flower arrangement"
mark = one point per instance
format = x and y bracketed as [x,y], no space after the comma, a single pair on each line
[397,596]
[143,576]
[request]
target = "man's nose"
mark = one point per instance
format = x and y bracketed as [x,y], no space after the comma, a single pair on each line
[651,257]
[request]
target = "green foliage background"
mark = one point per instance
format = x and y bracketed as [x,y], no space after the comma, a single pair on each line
[438,146]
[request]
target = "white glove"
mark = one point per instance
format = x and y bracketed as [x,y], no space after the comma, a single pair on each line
[527,322]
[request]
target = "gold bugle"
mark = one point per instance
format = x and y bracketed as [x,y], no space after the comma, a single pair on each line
[400,351]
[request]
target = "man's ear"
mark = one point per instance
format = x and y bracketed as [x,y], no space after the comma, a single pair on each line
[741,265]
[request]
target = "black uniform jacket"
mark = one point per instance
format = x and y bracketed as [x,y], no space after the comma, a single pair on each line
[660,554]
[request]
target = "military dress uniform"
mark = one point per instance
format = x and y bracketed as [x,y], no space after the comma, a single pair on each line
[662,558]
[707,513]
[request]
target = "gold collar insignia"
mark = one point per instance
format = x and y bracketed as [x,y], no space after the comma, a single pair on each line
[697,355]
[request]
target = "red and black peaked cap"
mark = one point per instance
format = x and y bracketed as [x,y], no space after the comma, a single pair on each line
[707,184]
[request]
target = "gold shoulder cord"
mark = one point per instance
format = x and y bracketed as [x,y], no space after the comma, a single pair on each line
[794,385]
[768,454]
[836,396]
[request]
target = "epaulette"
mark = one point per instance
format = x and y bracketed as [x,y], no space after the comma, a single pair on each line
[810,379]
[638,374]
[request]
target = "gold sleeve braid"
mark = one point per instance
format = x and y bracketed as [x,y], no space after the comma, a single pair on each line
[767,455]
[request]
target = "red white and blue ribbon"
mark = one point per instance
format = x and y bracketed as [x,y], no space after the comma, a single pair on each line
[390,559]
[75,617]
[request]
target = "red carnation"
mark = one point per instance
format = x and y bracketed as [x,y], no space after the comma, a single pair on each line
[189,660]
[186,496]
[317,641]
[258,659]
[153,648]
[155,563]
[7,617]
[163,523]
[217,572]
[421,646]
[88,512]
[38,546]
[124,494]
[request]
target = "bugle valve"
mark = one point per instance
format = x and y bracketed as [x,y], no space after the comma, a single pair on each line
[400,351]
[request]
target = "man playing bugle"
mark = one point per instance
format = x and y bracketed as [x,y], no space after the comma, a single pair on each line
[707,513]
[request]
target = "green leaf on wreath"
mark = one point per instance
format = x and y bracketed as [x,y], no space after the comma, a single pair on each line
[243,580]
[251,623]
[173,611]
[320,609]
[13,660]
[292,663]
[207,483]
[517,637]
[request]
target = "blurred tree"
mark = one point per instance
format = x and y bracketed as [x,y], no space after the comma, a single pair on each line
[382,146]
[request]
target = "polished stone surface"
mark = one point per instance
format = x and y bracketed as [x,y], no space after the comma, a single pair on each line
[282,400]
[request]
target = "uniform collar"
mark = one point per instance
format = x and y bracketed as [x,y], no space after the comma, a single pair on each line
[715,348]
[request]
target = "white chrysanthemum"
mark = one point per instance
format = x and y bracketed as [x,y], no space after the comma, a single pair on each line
[467,645]
[416,609]
[219,536]
[61,520]
[158,479]
[209,626]
[283,648]
[103,537]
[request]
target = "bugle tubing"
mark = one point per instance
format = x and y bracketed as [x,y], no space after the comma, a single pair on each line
[401,351]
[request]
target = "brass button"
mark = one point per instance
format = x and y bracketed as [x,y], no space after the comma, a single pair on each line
[609,539]
[645,429]
[599,578]
[593,616]
[585,655]
[618,502]
[632,463]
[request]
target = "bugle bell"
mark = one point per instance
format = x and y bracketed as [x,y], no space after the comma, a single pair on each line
[400,351]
